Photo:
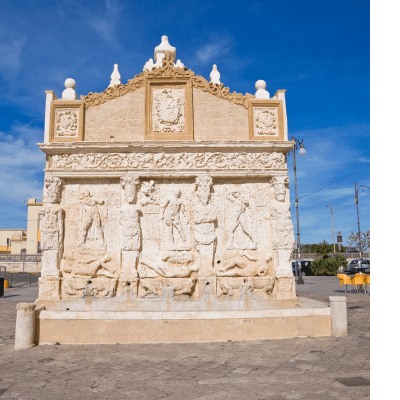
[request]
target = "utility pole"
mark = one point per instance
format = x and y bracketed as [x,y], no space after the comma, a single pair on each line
[302,152]
[333,231]
[358,219]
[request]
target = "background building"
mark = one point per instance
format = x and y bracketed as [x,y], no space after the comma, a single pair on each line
[15,241]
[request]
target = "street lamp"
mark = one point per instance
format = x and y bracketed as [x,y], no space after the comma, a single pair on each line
[28,196]
[333,230]
[358,219]
[302,152]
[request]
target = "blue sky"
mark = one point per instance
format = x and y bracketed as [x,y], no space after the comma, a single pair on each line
[318,51]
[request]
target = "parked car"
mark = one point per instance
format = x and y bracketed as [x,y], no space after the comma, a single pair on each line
[358,265]
[305,267]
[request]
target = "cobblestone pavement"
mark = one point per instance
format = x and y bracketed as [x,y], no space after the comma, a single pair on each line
[303,368]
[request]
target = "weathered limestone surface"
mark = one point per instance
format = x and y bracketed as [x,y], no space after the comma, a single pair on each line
[118,119]
[218,119]
[196,218]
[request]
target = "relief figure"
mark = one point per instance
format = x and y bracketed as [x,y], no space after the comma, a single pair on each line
[241,216]
[282,227]
[52,231]
[90,218]
[172,207]
[205,218]
[130,228]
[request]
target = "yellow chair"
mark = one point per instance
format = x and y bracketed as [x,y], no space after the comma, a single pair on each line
[344,280]
[358,281]
[367,281]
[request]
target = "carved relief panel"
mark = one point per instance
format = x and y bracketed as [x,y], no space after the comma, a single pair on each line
[66,120]
[175,233]
[266,119]
[169,109]
[91,262]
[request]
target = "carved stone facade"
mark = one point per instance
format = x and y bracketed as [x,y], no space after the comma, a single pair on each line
[166,215]
[111,237]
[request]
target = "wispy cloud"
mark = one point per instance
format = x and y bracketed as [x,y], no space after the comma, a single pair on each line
[10,49]
[21,164]
[216,48]
[105,21]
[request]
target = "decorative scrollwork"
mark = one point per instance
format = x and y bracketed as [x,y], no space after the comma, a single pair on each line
[168,70]
[169,161]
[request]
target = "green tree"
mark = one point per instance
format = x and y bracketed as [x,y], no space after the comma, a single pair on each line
[328,265]
[323,248]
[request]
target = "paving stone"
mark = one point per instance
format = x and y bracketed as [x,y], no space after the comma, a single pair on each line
[260,370]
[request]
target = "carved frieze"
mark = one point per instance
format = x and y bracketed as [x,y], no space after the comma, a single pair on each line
[274,160]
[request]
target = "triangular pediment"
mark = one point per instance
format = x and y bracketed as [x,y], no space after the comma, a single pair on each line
[169,72]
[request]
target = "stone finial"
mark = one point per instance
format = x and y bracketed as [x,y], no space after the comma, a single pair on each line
[215,75]
[179,64]
[165,48]
[159,60]
[69,92]
[115,77]
[261,92]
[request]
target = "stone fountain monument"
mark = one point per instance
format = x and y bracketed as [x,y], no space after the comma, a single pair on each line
[166,214]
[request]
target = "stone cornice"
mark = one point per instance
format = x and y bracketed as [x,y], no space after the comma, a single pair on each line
[165,146]
[183,173]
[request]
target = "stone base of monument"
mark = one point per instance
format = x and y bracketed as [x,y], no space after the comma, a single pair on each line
[170,321]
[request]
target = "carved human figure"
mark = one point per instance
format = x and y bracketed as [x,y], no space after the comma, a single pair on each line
[245,265]
[130,228]
[91,217]
[205,217]
[52,230]
[168,270]
[282,227]
[130,212]
[239,212]
[172,207]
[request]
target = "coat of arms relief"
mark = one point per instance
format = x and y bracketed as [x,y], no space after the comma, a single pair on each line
[67,120]
[265,121]
[168,110]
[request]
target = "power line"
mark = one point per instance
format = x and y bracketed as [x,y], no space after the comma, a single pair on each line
[329,184]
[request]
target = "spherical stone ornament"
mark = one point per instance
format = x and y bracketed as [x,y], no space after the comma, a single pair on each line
[260,84]
[69,92]
[261,92]
[70,83]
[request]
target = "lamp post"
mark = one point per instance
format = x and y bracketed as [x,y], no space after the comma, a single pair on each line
[302,152]
[358,219]
[333,231]
[28,196]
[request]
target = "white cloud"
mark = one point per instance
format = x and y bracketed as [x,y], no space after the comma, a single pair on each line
[10,60]
[22,164]
[104,22]
[213,50]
